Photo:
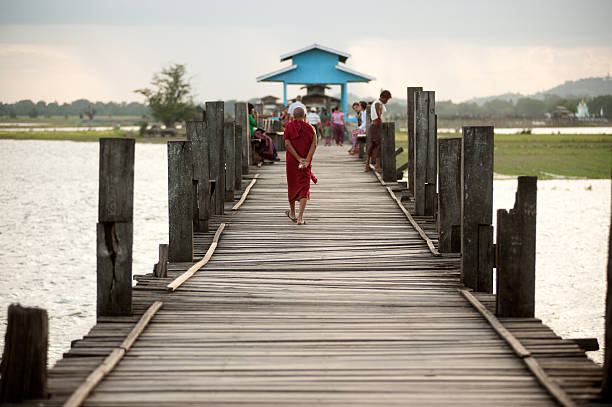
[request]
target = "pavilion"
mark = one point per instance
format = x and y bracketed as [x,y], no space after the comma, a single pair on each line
[316,65]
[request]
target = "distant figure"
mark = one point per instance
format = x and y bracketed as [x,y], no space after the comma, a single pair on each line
[338,126]
[314,120]
[266,148]
[301,143]
[297,103]
[325,122]
[285,117]
[361,124]
[377,111]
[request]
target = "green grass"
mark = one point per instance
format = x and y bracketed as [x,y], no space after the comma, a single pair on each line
[80,136]
[546,156]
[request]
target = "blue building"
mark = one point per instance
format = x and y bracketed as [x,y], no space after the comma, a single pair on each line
[316,65]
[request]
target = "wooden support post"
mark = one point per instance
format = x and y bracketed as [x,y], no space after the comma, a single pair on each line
[237,157]
[368,124]
[229,130]
[216,154]
[196,134]
[23,371]
[606,387]
[161,268]
[476,207]
[431,177]
[424,153]
[180,208]
[242,120]
[449,198]
[516,250]
[387,153]
[411,131]
[114,231]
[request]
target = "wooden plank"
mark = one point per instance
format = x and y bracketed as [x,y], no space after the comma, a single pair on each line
[180,198]
[176,283]
[79,396]
[245,193]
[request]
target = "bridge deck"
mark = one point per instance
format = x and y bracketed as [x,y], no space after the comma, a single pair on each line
[351,309]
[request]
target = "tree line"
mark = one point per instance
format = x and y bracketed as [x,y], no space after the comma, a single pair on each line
[82,107]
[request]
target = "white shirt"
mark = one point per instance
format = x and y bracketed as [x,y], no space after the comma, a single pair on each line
[313,118]
[295,104]
[373,114]
[363,120]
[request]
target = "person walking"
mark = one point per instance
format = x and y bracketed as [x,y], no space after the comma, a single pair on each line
[314,120]
[326,123]
[377,111]
[297,103]
[301,143]
[338,126]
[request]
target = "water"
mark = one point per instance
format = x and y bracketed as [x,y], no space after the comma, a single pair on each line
[48,202]
[23,128]
[544,130]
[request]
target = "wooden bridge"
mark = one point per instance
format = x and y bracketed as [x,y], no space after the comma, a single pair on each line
[354,308]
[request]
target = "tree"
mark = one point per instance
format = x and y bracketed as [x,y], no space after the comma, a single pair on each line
[90,112]
[527,107]
[171,101]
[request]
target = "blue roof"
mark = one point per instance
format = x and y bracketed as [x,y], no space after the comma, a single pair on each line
[315,64]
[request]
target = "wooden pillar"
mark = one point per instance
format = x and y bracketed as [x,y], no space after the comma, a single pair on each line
[237,157]
[216,154]
[411,131]
[23,371]
[180,198]
[424,167]
[161,267]
[388,152]
[197,135]
[242,120]
[449,198]
[114,234]
[516,251]
[477,208]
[368,124]
[431,177]
[229,130]
[606,387]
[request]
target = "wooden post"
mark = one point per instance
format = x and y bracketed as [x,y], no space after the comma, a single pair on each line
[197,135]
[516,251]
[242,120]
[368,124]
[449,198]
[423,167]
[180,208]
[477,207]
[114,231]
[23,371]
[237,157]
[431,176]
[387,153]
[411,131]
[216,155]
[230,158]
[161,267]
[606,387]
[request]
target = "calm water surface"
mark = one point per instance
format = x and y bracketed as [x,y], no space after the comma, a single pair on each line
[48,207]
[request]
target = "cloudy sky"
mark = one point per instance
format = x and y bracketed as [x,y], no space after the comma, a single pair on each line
[102,50]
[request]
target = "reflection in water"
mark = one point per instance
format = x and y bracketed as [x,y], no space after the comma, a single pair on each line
[48,202]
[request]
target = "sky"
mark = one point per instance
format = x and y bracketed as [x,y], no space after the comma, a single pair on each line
[63,50]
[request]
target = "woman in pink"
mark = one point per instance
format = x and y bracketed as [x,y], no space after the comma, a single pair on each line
[338,126]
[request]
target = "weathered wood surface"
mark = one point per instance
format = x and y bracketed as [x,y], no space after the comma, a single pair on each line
[424,153]
[23,370]
[516,249]
[387,153]
[449,198]
[349,309]
[242,120]
[198,136]
[216,154]
[116,180]
[180,201]
[476,206]
[237,156]
[229,137]
[411,131]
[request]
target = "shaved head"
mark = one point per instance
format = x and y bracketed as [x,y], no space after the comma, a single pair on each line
[299,113]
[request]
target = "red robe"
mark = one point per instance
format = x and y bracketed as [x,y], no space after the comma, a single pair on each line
[301,135]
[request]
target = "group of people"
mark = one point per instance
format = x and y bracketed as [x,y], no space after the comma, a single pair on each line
[301,142]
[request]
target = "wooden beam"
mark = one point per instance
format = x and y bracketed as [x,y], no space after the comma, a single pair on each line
[161,268]
[242,120]
[197,135]
[216,154]
[23,371]
[237,157]
[449,198]
[411,131]
[180,198]
[229,129]
[387,153]
[476,204]
[245,193]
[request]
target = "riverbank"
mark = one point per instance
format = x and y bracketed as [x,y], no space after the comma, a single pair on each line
[550,156]
[82,135]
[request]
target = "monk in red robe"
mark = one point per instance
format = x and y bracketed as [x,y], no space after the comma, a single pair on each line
[301,143]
